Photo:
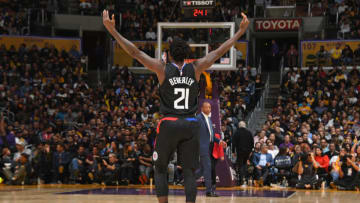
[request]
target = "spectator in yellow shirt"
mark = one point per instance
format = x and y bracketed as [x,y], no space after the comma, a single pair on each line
[304,109]
[310,99]
[340,76]
[336,55]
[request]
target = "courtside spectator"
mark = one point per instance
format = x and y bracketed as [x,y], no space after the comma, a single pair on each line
[336,55]
[348,173]
[263,162]
[306,170]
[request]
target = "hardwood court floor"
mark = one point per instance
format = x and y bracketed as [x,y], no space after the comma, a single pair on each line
[139,194]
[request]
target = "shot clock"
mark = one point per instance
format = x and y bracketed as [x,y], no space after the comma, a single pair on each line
[198,9]
[198,13]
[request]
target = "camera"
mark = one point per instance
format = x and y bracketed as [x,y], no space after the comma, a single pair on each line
[106,158]
[344,158]
[304,157]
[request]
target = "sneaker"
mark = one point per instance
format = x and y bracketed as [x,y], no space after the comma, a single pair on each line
[141,180]
[145,179]
[180,183]
[315,187]
[211,194]
[332,185]
[261,182]
[91,176]
[275,185]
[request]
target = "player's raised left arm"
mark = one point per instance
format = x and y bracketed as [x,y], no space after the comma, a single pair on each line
[208,60]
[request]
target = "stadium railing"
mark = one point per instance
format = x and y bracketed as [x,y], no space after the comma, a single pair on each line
[281,68]
[8,115]
[260,106]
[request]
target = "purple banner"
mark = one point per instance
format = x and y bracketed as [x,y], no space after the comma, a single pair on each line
[215,105]
[215,113]
[225,174]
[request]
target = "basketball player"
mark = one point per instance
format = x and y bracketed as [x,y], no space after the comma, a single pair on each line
[178,130]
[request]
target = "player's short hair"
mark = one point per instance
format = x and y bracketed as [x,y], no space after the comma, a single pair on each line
[179,50]
[242,124]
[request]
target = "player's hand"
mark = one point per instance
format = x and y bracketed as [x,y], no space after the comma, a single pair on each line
[109,23]
[47,149]
[312,154]
[222,158]
[348,160]
[105,163]
[244,23]
[223,144]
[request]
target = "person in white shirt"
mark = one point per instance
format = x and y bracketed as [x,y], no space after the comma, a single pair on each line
[260,136]
[272,150]
[294,77]
[342,8]
[150,35]
[85,4]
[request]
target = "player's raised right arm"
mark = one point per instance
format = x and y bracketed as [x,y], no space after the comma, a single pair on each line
[153,64]
[208,60]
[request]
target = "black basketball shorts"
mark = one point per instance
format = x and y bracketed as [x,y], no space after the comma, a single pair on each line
[177,134]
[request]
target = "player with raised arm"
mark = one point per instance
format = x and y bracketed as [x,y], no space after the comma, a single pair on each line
[178,129]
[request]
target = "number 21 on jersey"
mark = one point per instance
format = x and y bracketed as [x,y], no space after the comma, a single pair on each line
[184,95]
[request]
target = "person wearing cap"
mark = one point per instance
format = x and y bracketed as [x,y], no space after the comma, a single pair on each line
[20,147]
[22,170]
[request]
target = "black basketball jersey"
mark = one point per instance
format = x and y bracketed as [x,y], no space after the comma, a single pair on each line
[179,91]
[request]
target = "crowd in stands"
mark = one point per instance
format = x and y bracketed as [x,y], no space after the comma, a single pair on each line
[57,128]
[338,56]
[12,22]
[310,139]
[348,17]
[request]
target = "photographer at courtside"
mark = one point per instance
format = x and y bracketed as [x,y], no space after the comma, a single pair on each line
[110,170]
[306,171]
[348,174]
